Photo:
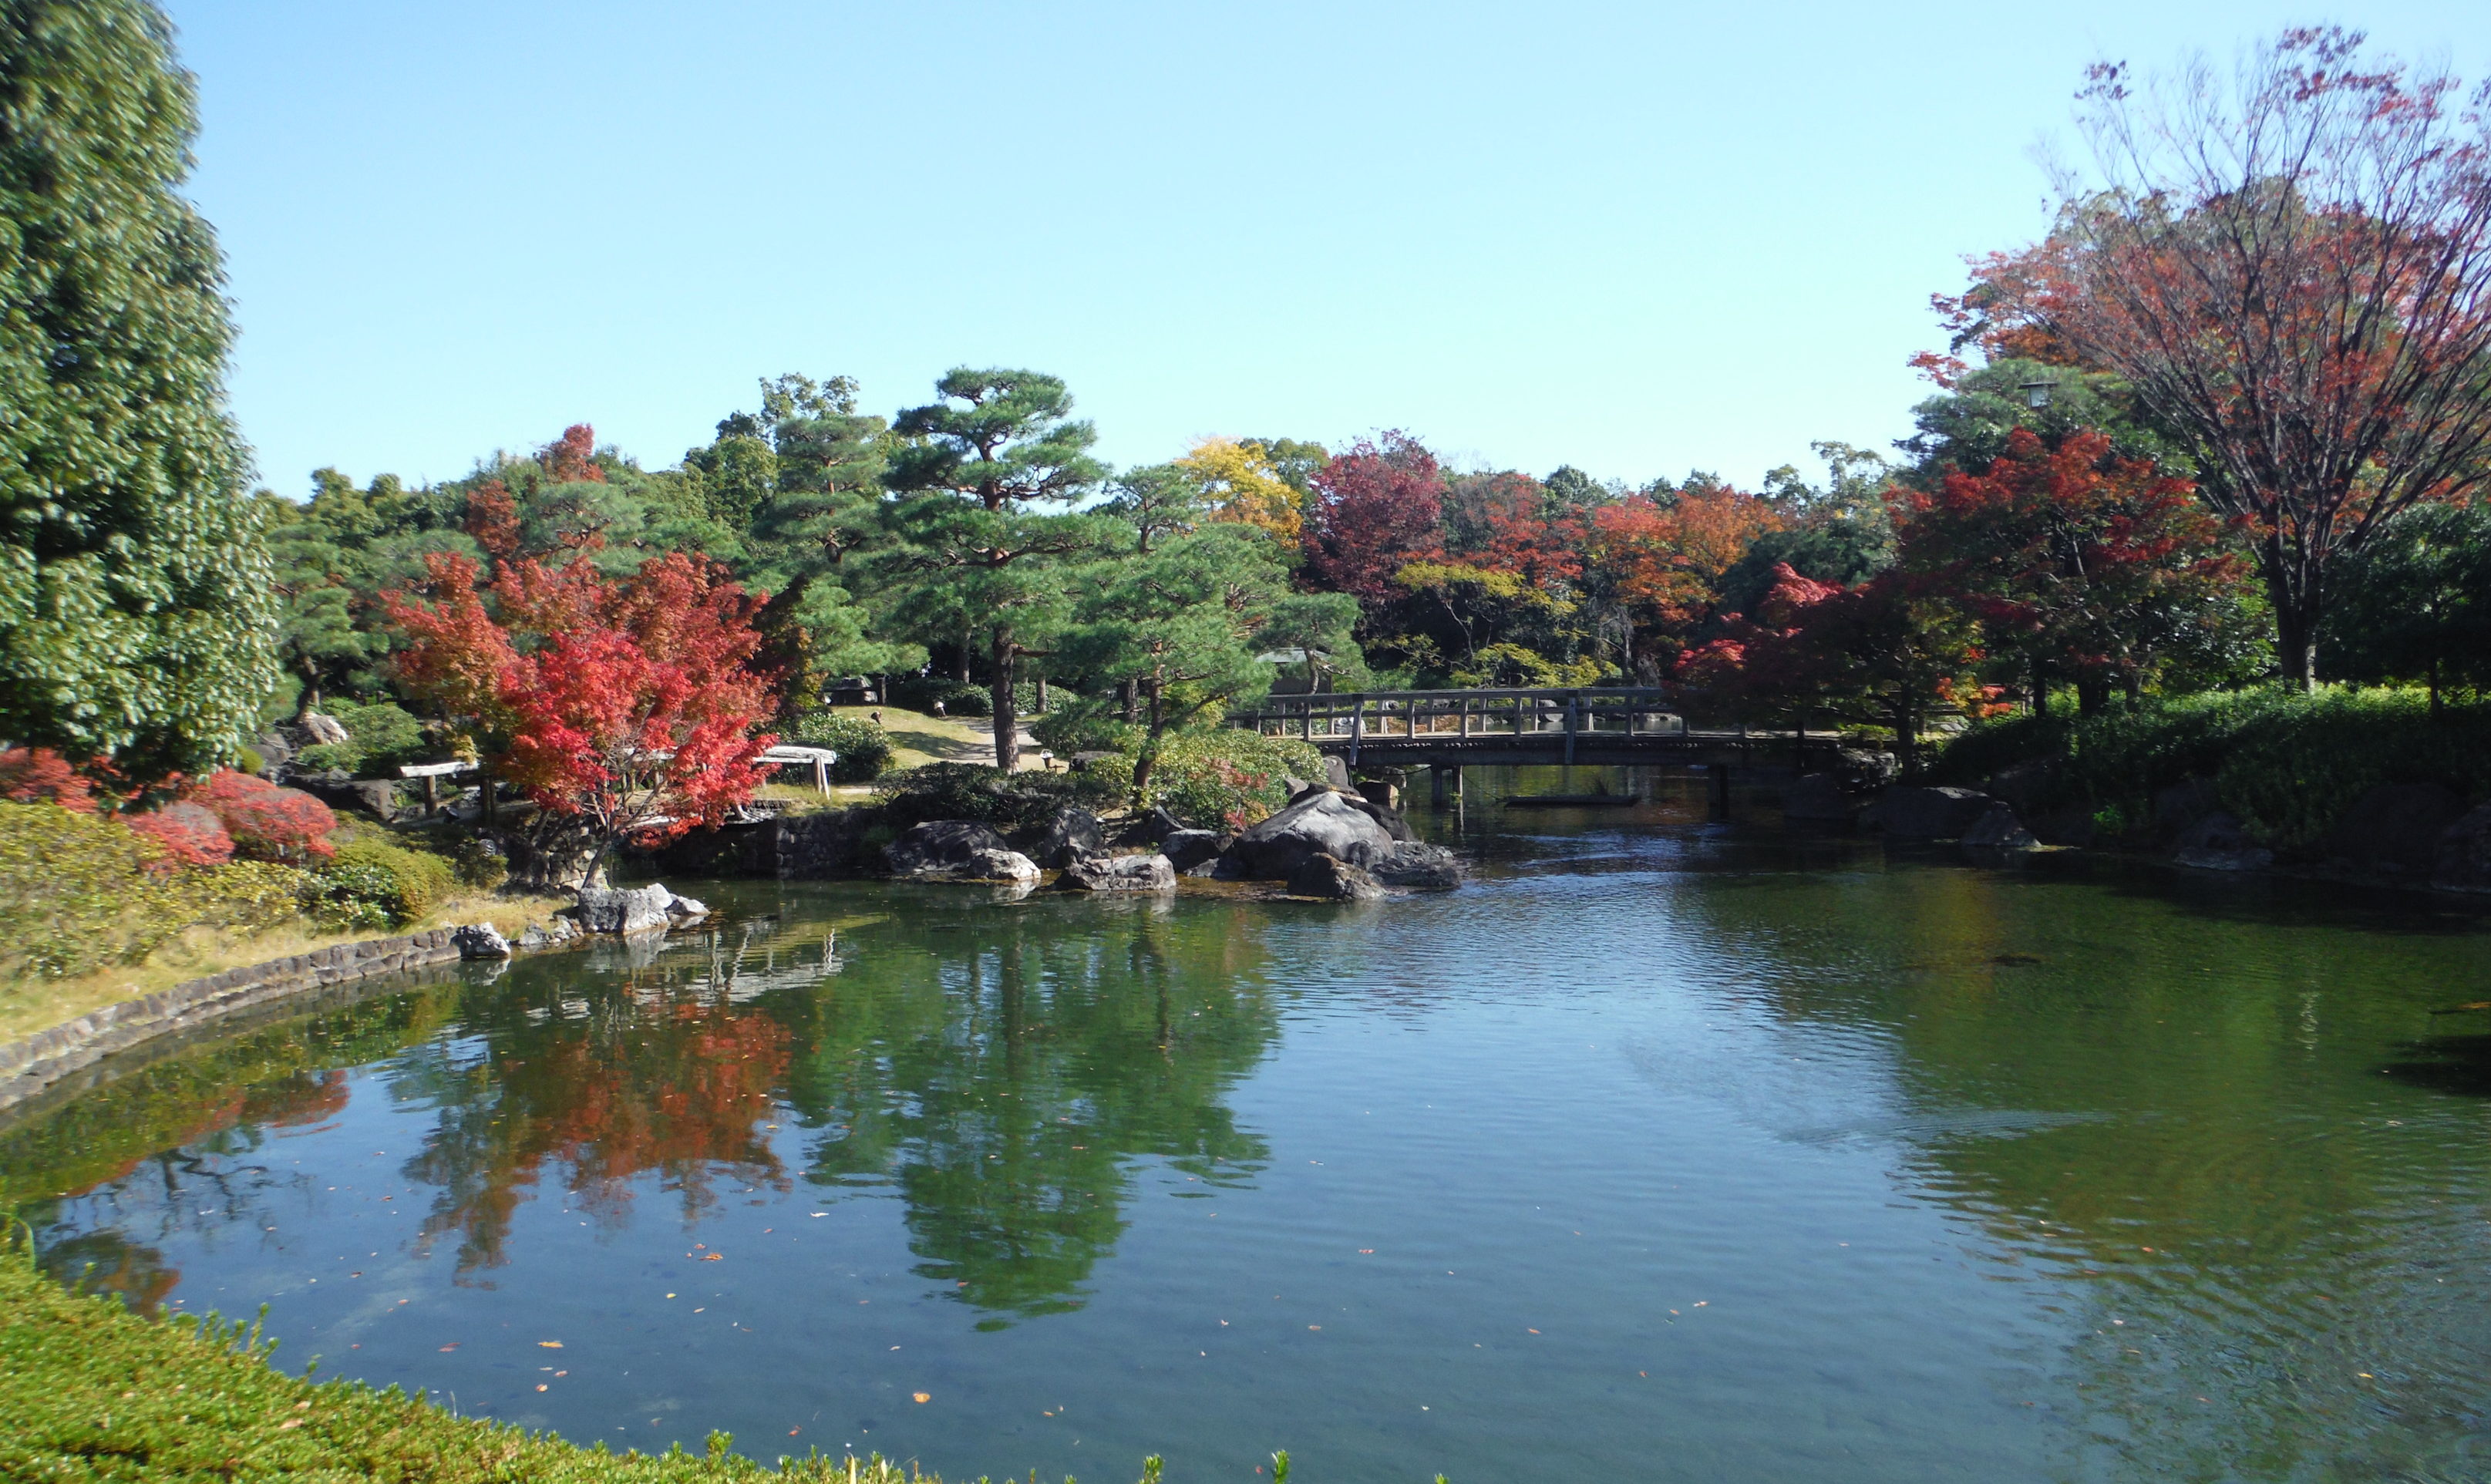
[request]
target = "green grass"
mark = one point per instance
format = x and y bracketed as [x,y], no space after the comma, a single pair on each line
[91,1391]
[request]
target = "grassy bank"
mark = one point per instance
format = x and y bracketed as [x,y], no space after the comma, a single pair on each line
[90,1391]
[29,1004]
[2289,765]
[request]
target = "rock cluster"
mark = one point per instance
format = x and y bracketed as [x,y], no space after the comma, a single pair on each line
[629,909]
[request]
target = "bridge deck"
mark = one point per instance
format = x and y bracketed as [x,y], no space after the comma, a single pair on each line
[1586,725]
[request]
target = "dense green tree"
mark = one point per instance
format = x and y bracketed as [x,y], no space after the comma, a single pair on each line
[2416,604]
[1184,622]
[974,555]
[137,608]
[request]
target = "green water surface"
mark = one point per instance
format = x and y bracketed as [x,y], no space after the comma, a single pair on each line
[1667,1149]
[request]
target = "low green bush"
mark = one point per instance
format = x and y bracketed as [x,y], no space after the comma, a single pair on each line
[1012,803]
[82,891]
[1221,777]
[2287,764]
[920,693]
[1085,724]
[864,752]
[379,736]
[79,891]
[372,884]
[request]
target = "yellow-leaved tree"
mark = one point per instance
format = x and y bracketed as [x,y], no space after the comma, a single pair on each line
[1240,482]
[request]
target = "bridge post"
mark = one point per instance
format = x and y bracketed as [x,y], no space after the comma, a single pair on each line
[1574,724]
[1444,786]
[1356,727]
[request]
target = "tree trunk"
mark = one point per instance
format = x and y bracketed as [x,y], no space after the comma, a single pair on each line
[1907,738]
[2296,607]
[2092,694]
[1129,699]
[2040,691]
[310,697]
[1006,723]
[962,668]
[1042,692]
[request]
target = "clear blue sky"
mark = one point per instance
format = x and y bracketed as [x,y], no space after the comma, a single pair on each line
[1636,238]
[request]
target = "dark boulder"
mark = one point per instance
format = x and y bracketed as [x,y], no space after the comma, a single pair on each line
[1865,769]
[2184,803]
[1418,867]
[1998,828]
[2217,842]
[2028,787]
[940,847]
[1187,849]
[480,940]
[2465,853]
[1928,813]
[1320,823]
[1335,773]
[1153,828]
[1384,814]
[1329,879]
[2394,829]
[1118,873]
[1819,799]
[1073,833]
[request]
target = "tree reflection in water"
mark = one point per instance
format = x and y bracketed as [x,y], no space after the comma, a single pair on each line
[998,1073]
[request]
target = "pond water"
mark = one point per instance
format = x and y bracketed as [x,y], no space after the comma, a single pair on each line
[1667,1149]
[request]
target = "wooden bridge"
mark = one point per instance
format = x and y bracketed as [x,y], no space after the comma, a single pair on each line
[1448,730]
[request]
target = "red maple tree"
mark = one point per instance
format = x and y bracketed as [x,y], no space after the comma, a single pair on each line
[629,706]
[1373,511]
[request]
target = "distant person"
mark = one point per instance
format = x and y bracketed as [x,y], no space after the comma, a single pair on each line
[938,709]
[877,718]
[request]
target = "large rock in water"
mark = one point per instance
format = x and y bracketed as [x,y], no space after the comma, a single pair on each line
[2465,853]
[1189,849]
[1329,879]
[2217,842]
[480,940]
[939,847]
[1322,823]
[1418,867]
[1336,772]
[615,910]
[1929,813]
[1998,828]
[2394,829]
[1073,833]
[1819,799]
[1118,873]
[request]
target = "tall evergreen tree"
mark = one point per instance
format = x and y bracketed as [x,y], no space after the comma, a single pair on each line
[137,610]
[976,553]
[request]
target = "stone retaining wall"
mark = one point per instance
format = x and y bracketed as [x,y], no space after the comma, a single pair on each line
[30,1066]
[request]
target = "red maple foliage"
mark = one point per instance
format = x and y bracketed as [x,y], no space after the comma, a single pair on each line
[493,519]
[1503,523]
[631,704]
[39,775]
[2090,567]
[1373,511]
[266,821]
[1667,559]
[571,459]
[190,833]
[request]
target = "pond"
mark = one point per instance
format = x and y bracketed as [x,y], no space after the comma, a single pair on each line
[1669,1149]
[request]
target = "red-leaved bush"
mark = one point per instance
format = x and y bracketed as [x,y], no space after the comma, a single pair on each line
[269,823]
[190,835]
[40,775]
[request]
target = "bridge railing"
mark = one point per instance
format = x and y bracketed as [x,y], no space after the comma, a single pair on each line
[1421,714]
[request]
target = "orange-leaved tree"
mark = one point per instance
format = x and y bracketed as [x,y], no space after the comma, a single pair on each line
[624,710]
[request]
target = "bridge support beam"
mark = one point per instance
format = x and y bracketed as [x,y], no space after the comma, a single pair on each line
[1444,786]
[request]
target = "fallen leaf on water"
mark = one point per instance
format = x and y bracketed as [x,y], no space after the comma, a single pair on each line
[713,1257]
[453,1345]
[540,1385]
[548,1344]
[922,1396]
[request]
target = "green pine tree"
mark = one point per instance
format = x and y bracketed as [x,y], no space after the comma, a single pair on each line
[136,604]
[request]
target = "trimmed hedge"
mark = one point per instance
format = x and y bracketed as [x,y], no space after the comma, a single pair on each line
[864,752]
[2287,764]
[81,891]
[374,884]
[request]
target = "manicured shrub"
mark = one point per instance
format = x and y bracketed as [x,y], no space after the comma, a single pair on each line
[268,823]
[250,897]
[864,752]
[79,891]
[1225,778]
[1084,724]
[1020,802]
[186,834]
[2288,764]
[370,883]
[38,774]
[379,736]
